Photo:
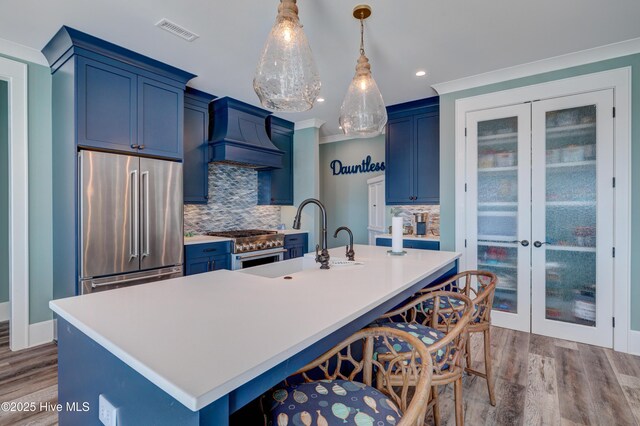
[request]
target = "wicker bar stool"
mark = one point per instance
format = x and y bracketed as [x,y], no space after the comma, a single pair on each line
[443,331]
[480,287]
[337,398]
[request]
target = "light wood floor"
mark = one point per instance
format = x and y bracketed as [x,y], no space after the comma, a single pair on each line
[30,375]
[546,381]
[539,381]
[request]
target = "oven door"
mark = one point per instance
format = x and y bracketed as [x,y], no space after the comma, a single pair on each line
[256,258]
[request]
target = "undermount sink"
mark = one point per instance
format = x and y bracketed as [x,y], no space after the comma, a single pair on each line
[289,267]
[281,269]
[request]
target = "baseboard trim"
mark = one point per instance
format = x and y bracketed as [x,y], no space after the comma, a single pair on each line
[4,311]
[40,333]
[633,346]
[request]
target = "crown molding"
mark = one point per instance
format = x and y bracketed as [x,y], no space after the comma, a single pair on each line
[341,137]
[312,122]
[596,54]
[24,53]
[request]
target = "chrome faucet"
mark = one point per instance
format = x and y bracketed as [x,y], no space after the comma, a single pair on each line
[323,256]
[351,255]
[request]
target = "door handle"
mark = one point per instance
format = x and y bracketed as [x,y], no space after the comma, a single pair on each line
[539,244]
[523,243]
[145,206]
[134,248]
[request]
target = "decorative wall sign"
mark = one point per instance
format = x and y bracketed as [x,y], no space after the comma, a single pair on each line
[365,167]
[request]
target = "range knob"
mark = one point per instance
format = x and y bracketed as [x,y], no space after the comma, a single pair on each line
[239,248]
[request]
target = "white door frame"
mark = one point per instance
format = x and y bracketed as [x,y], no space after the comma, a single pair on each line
[620,81]
[15,74]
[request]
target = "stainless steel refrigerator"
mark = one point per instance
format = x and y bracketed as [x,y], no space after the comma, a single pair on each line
[131,220]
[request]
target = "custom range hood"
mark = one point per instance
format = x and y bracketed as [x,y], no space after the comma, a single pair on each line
[240,136]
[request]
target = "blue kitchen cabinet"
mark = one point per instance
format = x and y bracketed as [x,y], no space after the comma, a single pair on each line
[196,146]
[295,245]
[207,257]
[160,119]
[414,244]
[124,102]
[107,106]
[275,187]
[399,161]
[412,151]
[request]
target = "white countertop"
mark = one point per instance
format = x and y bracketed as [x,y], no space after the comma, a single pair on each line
[201,239]
[413,237]
[200,337]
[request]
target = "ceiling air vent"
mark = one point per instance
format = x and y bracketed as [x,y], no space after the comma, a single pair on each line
[176,29]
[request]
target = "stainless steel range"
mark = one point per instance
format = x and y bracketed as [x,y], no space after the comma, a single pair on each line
[253,247]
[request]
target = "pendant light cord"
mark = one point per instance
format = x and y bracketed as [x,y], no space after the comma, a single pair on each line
[361,34]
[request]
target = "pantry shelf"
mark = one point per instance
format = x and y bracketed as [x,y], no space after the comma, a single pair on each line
[572,248]
[497,265]
[498,169]
[574,164]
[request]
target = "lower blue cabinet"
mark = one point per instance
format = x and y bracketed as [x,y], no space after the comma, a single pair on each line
[207,257]
[414,244]
[295,245]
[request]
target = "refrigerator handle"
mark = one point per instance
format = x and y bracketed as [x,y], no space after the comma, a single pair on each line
[145,206]
[134,248]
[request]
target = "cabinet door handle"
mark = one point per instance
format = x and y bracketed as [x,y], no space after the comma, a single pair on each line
[134,146]
[141,147]
[539,244]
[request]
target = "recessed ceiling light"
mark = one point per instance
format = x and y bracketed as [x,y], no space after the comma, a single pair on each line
[320,99]
[421,73]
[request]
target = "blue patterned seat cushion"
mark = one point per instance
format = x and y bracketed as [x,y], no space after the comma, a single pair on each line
[426,334]
[446,303]
[332,402]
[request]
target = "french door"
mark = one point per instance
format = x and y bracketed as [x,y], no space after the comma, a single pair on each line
[540,213]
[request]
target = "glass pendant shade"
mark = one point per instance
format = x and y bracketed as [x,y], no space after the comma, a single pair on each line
[287,78]
[363,113]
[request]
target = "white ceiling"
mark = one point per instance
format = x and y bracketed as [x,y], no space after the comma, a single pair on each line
[449,39]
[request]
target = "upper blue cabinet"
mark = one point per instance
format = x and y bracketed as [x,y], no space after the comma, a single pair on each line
[196,146]
[275,187]
[412,151]
[124,101]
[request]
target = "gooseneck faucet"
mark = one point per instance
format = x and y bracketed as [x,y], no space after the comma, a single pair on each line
[323,256]
[351,255]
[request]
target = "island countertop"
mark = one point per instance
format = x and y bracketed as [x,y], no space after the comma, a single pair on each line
[200,337]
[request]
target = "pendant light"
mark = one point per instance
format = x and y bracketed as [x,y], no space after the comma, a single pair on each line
[287,78]
[363,113]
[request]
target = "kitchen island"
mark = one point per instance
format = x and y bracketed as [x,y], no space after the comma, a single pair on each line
[192,350]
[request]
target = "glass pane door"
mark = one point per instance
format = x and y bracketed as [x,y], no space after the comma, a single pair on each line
[498,200]
[572,203]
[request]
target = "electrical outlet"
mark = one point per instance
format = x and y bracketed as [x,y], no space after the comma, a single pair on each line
[107,413]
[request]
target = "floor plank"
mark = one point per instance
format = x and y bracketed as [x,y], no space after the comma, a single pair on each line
[541,404]
[30,375]
[573,390]
[610,402]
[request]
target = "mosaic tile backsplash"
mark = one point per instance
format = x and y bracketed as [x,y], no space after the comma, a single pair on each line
[434,216]
[233,198]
